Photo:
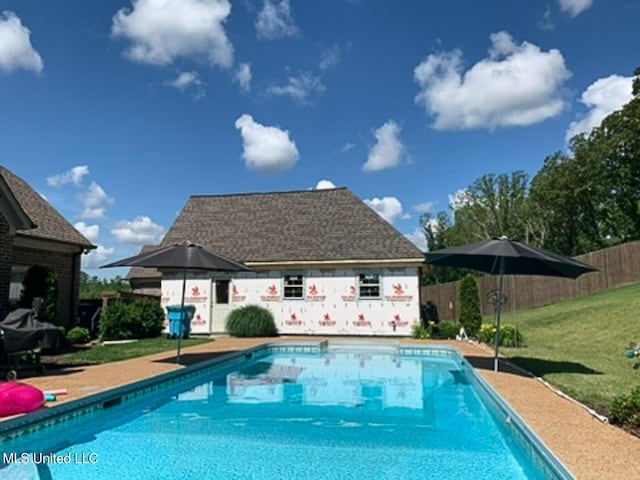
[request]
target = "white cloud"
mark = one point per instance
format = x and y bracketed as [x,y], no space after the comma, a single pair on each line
[389,208]
[189,81]
[266,149]
[424,207]
[243,76]
[97,257]
[388,151]
[185,80]
[16,51]
[418,238]
[546,22]
[94,202]
[330,57]
[604,96]
[90,232]
[517,85]
[74,176]
[347,147]
[139,231]
[459,199]
[300,87]
[275,21]
[574,7]
[325,184]
[162,31]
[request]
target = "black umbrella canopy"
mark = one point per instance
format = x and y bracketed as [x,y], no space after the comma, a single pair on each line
[186,255]
[516,259]
[501,256]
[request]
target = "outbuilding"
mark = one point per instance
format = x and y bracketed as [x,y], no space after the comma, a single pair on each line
[325,262]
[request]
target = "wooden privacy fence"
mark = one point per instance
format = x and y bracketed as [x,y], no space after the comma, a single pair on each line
[616,266]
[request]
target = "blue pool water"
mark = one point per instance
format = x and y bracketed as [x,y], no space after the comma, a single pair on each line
[332,415]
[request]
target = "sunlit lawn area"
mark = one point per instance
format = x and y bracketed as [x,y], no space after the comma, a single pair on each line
[578,345]
[123,351]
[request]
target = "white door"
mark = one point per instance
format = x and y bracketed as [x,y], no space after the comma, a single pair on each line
[220,305]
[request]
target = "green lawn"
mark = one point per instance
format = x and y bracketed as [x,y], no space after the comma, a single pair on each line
[113,353]
[578,345]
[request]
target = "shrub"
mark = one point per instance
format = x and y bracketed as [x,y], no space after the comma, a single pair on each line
[420,331]
[138,319]
[625,410]
[41,281]
[509,335]
[113,322]
[470,316]
[78,335]
[447,330]
[251,321]
[146,318]
[440,331]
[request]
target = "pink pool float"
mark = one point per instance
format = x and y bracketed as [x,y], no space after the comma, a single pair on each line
[16,397]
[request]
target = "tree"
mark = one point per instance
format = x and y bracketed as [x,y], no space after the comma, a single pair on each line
[616,143]
[495,206]
[470,315]
[94,287]
[437,231]
[567,195]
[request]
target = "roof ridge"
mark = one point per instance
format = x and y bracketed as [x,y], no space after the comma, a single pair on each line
[280,192]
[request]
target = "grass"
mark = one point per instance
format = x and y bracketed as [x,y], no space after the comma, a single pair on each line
[124,351]
[578,345]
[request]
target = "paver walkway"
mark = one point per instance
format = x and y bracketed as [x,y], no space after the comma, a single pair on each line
[589,448]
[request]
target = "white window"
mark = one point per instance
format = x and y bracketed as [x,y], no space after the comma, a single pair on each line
[293,287]
[369,285]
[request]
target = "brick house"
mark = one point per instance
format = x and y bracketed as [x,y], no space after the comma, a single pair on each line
[325,262]
[32,232]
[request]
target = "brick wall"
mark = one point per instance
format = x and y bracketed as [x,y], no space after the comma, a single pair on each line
[67,269]
[6,255]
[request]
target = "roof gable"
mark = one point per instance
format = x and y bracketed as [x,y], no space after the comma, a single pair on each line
[309,225]
[11,209]
[50,225]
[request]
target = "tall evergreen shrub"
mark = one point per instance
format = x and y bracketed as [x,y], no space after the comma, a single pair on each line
[470,316]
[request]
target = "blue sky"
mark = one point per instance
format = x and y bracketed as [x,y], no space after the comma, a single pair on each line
[117,111]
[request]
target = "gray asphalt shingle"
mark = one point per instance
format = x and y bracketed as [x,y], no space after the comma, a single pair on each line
[50,225]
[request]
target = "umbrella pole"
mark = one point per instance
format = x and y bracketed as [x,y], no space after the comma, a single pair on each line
[498,313]
[184,289]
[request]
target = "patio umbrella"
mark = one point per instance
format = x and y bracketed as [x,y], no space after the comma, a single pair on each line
[186,256]
[502,256]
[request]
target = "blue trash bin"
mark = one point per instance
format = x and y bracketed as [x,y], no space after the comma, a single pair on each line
[176,313]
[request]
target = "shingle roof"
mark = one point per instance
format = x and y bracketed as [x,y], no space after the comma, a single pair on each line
[50,224]
[309,225]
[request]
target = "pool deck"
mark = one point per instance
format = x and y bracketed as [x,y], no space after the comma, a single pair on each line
[589,448]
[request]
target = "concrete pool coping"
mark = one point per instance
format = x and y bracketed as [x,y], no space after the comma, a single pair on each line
[589,448]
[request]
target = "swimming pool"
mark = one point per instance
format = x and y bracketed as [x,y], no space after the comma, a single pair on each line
[330,411]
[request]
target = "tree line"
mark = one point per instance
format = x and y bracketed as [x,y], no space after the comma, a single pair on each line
[92,287]
[579,201]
